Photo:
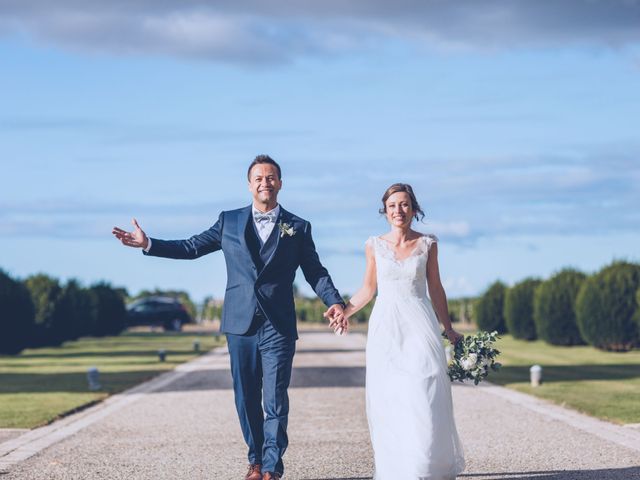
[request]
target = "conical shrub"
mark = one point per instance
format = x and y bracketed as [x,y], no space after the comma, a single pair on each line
[518,309]
[607,307]
[490,309]
[554,308]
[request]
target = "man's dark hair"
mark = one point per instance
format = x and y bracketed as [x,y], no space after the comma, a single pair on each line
[264,159]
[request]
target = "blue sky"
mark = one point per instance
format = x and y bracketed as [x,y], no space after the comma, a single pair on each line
[516,123]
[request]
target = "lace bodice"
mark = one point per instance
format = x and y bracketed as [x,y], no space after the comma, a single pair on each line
[406,277]
[402,278]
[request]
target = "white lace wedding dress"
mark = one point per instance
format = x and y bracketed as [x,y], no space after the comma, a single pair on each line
[409,406]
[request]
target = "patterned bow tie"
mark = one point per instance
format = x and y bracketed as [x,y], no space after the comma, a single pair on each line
[268,217]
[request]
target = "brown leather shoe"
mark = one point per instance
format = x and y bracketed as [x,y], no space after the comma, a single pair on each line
[255,472]
[271,476]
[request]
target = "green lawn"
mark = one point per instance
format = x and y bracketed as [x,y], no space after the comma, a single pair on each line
[602,384]
[40,385]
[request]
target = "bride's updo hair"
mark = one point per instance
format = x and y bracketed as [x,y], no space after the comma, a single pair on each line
[418,214]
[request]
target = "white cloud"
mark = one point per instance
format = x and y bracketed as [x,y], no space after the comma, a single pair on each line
[458,229]
[459,287]
[594,192]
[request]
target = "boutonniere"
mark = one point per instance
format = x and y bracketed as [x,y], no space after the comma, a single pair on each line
[286,229]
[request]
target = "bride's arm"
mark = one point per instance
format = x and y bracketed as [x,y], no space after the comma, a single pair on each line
[369,285]
[437,294]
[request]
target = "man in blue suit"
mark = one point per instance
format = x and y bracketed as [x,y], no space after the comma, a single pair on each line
[263,246]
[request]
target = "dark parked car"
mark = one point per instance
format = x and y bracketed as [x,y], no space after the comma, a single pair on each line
[165,311]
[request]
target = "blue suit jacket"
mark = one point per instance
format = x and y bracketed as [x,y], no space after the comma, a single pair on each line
[272,287]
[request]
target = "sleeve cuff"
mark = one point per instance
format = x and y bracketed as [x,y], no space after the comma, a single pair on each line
[146,250]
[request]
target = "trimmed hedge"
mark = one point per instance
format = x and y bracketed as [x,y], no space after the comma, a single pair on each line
[518,309]
[111,313]
[554,308]
[490,309]
[636,317]
[50,320]
[40,312]
[79,306]
[607,307]
[17,315]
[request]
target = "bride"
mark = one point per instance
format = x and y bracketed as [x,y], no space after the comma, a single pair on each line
[409,406]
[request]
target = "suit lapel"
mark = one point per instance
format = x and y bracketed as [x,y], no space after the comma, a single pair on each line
[243,219]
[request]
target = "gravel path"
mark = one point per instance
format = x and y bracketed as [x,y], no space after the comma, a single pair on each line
[185,427]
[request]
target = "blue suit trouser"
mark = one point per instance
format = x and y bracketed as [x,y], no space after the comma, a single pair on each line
[261,362]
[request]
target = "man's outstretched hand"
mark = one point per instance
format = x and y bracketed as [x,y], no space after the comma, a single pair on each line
[136,239]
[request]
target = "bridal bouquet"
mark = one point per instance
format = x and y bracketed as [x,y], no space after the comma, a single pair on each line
[473,357]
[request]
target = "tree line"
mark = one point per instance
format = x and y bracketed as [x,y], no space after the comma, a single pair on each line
[570,308]
[310,309]
[41,311]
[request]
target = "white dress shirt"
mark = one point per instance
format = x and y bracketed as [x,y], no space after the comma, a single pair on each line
[264,223]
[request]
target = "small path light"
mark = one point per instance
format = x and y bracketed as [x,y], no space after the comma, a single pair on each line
[162,355]
[196,345]
[536,375]
[93,378]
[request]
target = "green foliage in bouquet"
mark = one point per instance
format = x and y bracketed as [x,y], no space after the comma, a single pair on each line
[473,357]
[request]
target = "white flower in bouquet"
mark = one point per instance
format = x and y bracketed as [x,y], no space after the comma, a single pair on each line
[469,362]
[473,358]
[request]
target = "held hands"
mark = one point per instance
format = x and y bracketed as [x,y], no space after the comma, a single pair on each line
[337,319]
[453,336]
[136,239]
